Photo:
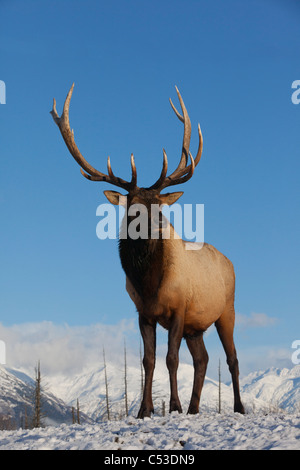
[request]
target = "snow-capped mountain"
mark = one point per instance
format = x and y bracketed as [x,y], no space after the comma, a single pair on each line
[280,388]
[17,401]
[266,391]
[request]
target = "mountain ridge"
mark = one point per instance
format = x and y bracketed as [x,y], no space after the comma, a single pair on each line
[265,391]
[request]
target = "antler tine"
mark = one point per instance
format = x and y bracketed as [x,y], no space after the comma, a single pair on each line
[133,172]
[183,175]
[163,174]
[186,176]
[200,146]
[64,126]
[111,175]
[183,172]
[89,172]
[187,131]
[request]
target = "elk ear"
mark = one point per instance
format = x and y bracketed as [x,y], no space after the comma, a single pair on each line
[170,198]
[116,198]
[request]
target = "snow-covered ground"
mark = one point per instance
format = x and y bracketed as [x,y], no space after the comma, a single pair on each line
[173,432]
[271,399]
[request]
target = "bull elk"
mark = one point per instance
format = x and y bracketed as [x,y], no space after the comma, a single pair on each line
[185,291]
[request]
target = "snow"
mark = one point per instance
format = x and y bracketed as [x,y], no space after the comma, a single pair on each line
[175,432]
[16,400]
[276,387]
[271,399]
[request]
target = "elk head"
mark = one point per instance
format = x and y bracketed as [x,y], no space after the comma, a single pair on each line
[135,195]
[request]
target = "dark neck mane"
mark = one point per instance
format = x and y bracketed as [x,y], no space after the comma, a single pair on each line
[142,262]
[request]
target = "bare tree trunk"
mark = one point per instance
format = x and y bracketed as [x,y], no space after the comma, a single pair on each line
[142,371]
[37,417]
[219,386]
[106,387]
[125,380]
[163,408]
[78,412]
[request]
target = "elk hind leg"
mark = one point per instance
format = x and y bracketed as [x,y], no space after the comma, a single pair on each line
[200,359]
[225,327]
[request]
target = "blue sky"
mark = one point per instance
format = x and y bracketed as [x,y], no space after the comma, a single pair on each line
[234,63]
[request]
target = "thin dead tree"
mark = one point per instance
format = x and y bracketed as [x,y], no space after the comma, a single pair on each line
[37,412]
[78,412]
[106,387]
[142,372]
[219,408]
[125,380]
[163,408]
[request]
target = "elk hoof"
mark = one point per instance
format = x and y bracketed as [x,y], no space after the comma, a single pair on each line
[175,406]
[238,408]
[145,412]
[193,410]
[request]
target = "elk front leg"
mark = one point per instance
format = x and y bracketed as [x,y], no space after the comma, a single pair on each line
[148,332]
[175,336]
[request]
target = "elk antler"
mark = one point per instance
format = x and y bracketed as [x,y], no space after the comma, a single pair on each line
[183,172]
[91,173]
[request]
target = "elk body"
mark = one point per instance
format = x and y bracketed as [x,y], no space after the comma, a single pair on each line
[185,291]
